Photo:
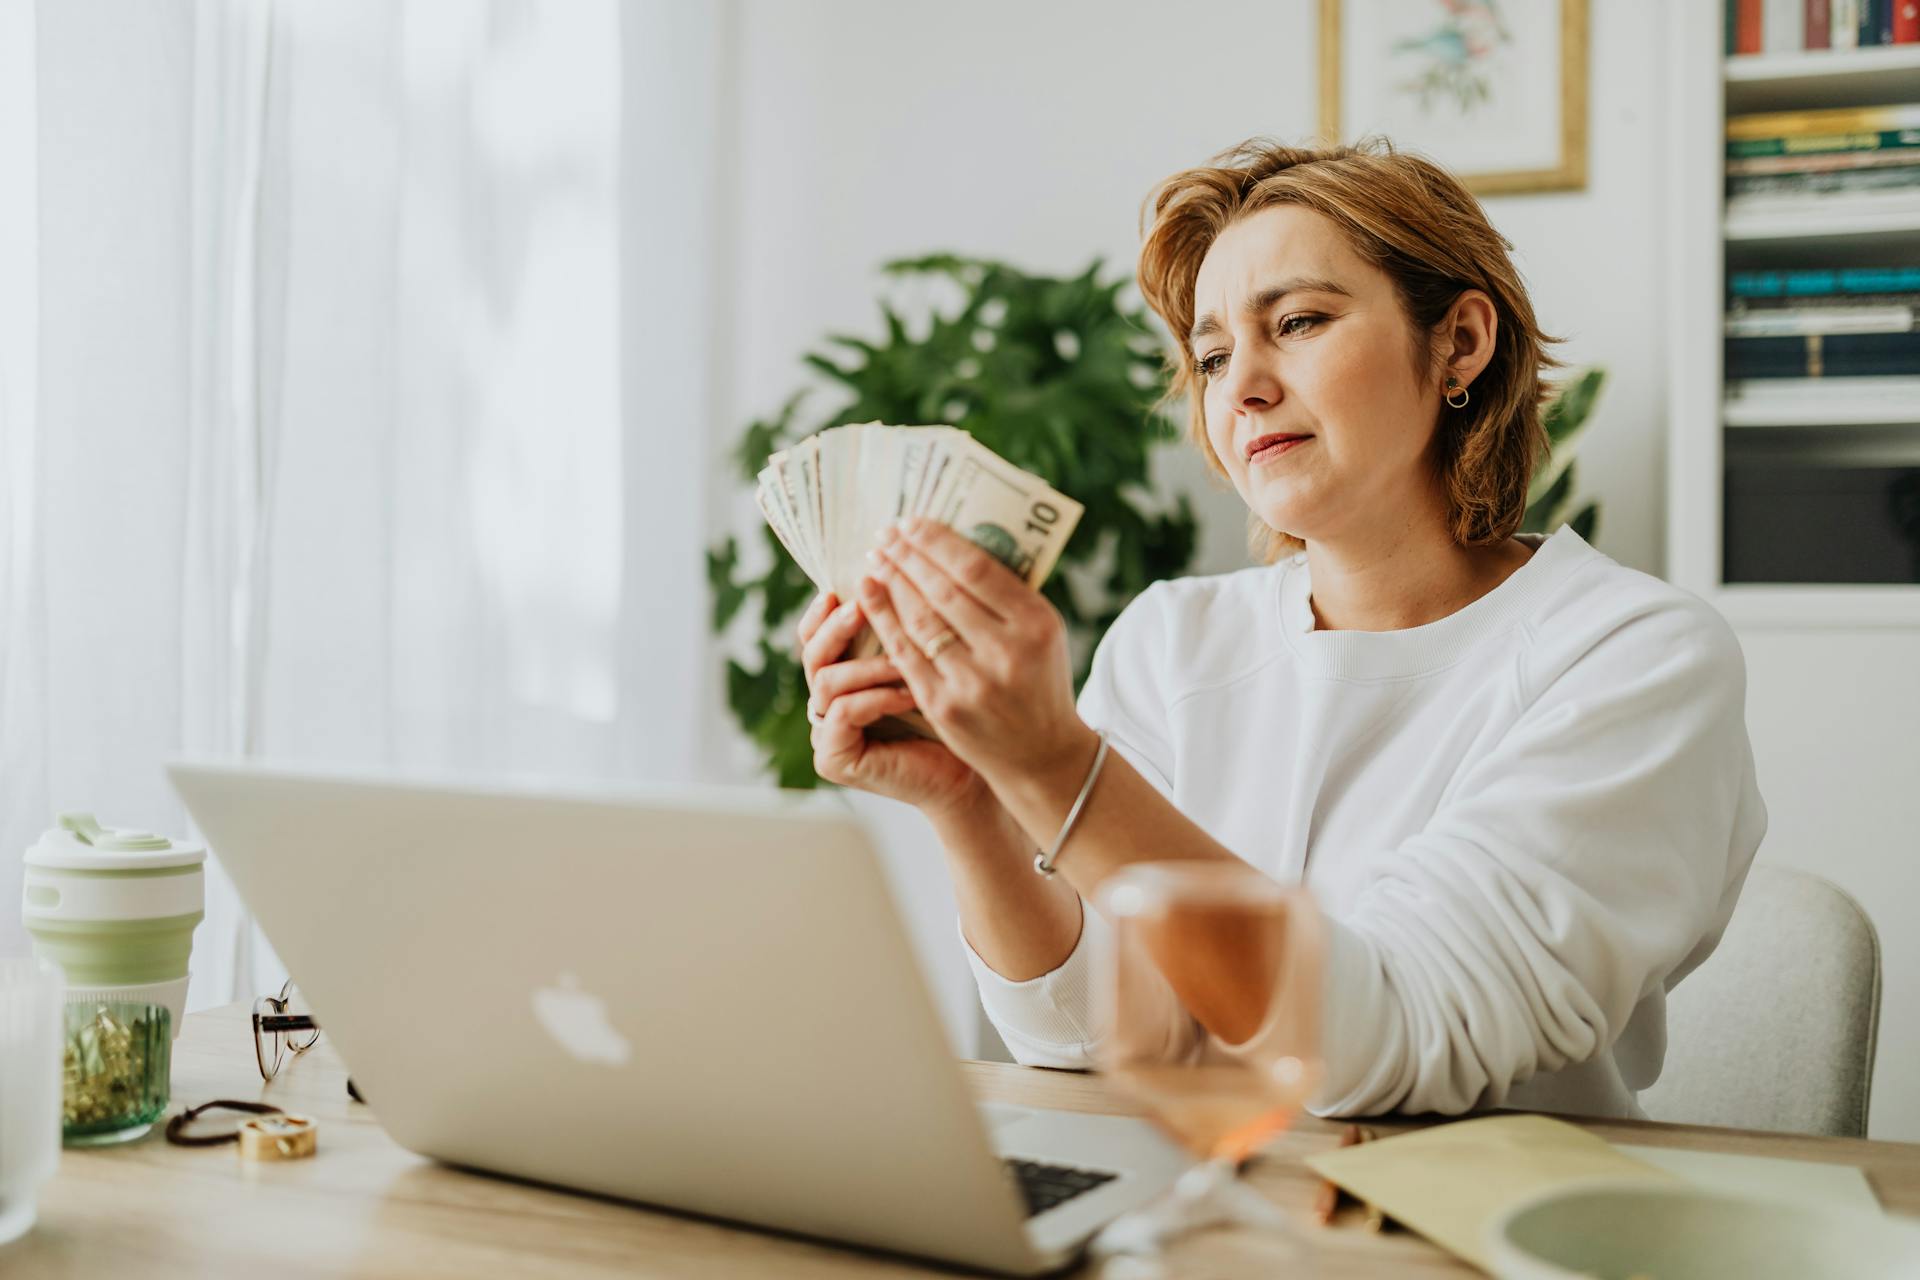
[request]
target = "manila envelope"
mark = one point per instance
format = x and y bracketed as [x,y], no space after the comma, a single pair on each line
[1449,1182]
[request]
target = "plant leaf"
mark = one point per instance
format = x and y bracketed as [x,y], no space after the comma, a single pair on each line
[728,596]
[1543,514]
[1587,522]
[1565,421]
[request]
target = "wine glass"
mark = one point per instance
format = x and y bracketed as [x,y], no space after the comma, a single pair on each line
[1211,1022]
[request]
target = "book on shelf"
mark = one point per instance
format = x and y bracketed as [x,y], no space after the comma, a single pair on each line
[1843,23]
[1806,212]
[1825,120]
[1807,153]
[1902,393]
[1804,402]
[1789,26]
[1893,146]
[1817,355]
[1826,182]
[1817,24]
[1824,302]
[1888,157]
[1783,26]
[1809,146]
[1776,322]
[1814,282]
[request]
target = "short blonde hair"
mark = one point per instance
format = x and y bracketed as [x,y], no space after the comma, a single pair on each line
[1417,223]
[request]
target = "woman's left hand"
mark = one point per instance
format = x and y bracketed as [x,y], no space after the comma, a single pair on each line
[1000,690]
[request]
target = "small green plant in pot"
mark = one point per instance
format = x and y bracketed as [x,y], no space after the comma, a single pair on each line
[1059,375]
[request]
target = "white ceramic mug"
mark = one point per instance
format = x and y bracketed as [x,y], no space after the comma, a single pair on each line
[32,998]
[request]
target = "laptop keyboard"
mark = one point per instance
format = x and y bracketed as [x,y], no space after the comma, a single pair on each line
[1046,1185]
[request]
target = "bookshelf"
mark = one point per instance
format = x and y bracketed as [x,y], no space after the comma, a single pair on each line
[1851,423]
[1832,671]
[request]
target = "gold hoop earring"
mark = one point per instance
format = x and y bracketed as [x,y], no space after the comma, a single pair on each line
[1453,384]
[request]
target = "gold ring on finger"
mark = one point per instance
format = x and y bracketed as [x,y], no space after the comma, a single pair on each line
[940,644]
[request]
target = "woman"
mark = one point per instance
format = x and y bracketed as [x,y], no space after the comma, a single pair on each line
[1515,774]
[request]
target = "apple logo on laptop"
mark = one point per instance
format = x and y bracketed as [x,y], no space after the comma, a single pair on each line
[577,1020]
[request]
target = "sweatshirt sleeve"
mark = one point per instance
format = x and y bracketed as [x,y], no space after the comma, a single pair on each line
[1574,868]
[1048,1021]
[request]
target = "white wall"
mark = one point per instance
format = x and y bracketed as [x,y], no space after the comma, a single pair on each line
[1595,263]
[1833,716]
[22,672]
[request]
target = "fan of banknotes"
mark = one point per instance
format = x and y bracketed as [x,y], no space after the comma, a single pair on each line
[829,497]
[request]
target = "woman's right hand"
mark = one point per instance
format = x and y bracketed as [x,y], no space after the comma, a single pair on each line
[847,695]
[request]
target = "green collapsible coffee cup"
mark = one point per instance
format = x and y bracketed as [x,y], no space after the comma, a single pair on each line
[116,910]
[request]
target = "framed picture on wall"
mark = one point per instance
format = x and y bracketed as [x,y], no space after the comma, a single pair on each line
[1495,90]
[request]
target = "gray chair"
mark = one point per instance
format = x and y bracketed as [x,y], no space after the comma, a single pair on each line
[1777,1029]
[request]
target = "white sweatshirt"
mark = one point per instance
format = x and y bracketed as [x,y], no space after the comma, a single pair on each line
[1525,822]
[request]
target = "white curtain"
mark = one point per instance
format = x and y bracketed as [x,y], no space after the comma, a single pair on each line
[381,341]
[237,311]
[23,709]
[413,500]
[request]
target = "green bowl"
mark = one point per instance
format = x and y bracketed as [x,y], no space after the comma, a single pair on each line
[1608,1231]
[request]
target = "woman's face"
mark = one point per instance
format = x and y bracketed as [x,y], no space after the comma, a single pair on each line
[1313,403]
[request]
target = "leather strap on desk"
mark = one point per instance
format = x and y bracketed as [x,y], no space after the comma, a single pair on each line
[179,1137]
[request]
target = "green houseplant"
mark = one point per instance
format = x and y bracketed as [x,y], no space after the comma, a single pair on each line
[1059,375]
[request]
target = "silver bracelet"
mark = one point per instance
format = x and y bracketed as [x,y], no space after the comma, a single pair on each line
[1043,862]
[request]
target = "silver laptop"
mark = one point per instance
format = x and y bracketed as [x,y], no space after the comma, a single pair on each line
[700,999]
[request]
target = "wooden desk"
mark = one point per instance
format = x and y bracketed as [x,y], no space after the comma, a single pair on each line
[365,1207]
